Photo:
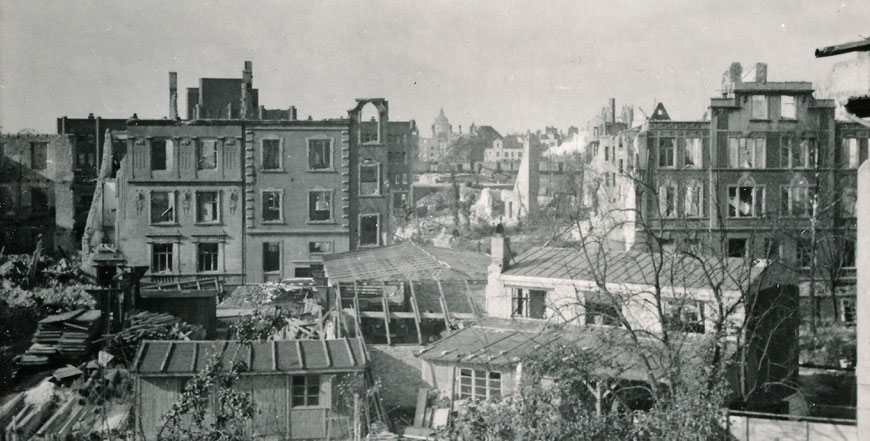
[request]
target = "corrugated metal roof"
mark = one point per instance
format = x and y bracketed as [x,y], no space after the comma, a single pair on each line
[677,270]
[285,356]
[406,261]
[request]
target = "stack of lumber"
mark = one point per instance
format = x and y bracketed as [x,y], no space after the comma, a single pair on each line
[69,335]
[150,326]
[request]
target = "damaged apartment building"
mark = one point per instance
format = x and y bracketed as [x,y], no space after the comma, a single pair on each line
[742,184]
[245,194]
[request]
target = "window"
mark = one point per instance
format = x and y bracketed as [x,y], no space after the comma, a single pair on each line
[803,252]
[598,313]
[796,199]
[786,107]
[528,303]
[693,205]
[39,201]
[794,154]
[396,157]
[607,153]
[667,201]
[161,258]
[207,210]
[272,206]
[666,152]
[399,200]
[621,167]
[736,247]
[160,153]
[684,316]
[848,310]
[306,390]
[207,257]
[369,230]
[320,206]
[38,155]
[692,153]
[369,179]
[207,154]
[850,152]
[745,201]
[319,154]
[162,207]
[271,257]
[759,107]
[747,152]
[479,384]
[271,154]
[320,247]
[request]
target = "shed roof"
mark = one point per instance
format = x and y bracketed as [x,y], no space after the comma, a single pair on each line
[504,342]
[275,356]
[676,270]
[406,261]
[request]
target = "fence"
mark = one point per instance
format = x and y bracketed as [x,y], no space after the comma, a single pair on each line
[755,426]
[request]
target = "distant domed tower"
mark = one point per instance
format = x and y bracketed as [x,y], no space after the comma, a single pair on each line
[441,128]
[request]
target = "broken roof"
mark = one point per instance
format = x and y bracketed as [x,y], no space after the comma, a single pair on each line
[677,270]
[276,356]
[406,261]
[504,342]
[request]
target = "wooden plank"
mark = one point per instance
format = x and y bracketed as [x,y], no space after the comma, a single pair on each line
[299,352]
[166,356]
[416,310]
[470,302]
[356,309]
[422,395]
[338,307]
[386,312]
[274,356]
[349,352]
[443,303]
[195,356]
[326,353]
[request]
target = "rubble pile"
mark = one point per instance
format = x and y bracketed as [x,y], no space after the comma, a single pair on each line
[68,336]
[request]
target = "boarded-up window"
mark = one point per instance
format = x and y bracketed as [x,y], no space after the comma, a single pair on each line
[787,107]
[759,107]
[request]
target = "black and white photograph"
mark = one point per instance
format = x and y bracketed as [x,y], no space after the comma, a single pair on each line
[434,220]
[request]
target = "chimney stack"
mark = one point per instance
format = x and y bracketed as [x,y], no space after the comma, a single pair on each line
[613,110]
[500,251]
[761,72]
[173,96]
[245,108]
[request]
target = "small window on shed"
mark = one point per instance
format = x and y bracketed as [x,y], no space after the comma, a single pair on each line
[306,390]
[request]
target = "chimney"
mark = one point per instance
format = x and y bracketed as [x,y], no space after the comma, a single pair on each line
[613,110]
[735,73]
[245,107]
[761,72]
[500,252]
[292,113]
[173,96]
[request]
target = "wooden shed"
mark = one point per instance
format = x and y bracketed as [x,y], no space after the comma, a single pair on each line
[293,383]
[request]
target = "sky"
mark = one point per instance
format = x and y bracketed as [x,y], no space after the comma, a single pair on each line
[515,65]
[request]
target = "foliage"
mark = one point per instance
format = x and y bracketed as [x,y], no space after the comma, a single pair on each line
[58,285]
[829,345]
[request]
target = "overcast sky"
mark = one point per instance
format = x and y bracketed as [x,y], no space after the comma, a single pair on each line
[513,65]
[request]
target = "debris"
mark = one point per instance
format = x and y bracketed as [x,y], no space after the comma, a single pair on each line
[67,373]
[69,335]
[149,326]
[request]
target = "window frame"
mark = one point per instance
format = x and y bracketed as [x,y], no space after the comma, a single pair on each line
[758,194]
[170,257]
[167,146]
[675,309]
[330,193]
[377,217]
[672,155]
[696,147]
[690,190]
[782,106]
[280,193]
[330,151]
[589,318]
[200,143]
[754,112]
[280,252]
[172,205]
[738,144]
[216,257]
[788,195]
[318,253]
[664,191]
[378,190]
[522,299]
[280,154]
[217,207]
[472,376]
[308,382]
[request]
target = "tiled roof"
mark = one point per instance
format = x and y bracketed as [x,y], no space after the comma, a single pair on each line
[406,261]
[284,356]
[676,269]
[504,342]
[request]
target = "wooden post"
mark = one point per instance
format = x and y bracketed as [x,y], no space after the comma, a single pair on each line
[443,304]
[356,419]
[386,312]
[416,309]
[356,317]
